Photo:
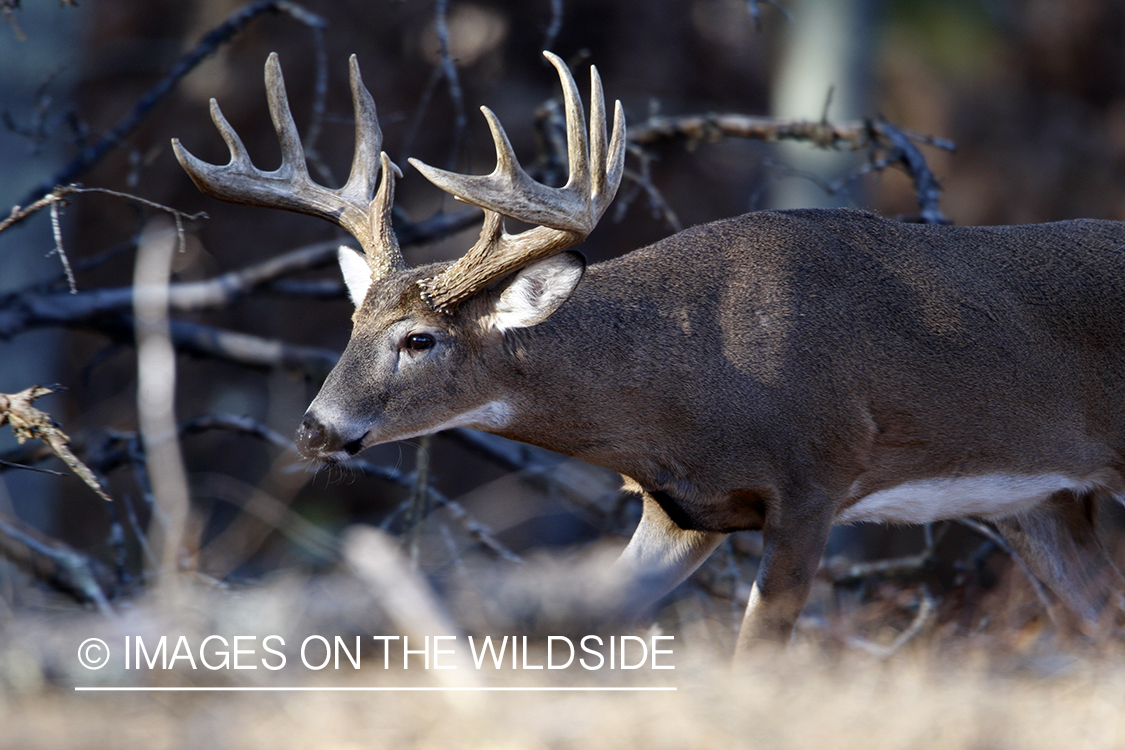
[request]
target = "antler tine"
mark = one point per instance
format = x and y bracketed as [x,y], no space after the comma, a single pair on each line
[577,150]
[607,160]
[353,207]
[564,215]
[368,140]
[383,234]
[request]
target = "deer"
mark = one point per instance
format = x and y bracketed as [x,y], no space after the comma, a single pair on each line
[783,371]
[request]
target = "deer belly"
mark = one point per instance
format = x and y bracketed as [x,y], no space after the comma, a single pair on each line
[987,496]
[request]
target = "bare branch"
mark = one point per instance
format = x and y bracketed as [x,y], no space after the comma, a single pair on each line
[554,26]
[925,614]
[92,154]
[252,351]
[156,389]
[714,127]
[58,564]
[241,425]
[888,144]
[843,572]
[926,189]
[419,499]
[449,71]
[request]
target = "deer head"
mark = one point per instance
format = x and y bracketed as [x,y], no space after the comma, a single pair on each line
[406,370]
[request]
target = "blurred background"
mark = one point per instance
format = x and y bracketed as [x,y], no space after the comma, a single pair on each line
[1032,92]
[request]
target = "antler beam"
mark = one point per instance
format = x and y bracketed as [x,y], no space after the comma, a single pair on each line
[357,207]
[565,216]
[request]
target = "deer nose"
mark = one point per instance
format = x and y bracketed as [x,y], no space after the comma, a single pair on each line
[317,440]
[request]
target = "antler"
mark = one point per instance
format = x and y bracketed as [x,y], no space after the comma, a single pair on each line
[365,216]
[565,216]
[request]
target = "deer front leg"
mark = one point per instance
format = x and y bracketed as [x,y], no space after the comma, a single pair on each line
[659,556]
[793,545]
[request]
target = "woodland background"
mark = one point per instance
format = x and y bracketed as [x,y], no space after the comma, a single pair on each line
[1031,92]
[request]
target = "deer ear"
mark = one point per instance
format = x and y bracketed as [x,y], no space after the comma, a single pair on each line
[537,291]
[357,274]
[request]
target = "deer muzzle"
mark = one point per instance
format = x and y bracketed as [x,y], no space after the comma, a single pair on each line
[321,442]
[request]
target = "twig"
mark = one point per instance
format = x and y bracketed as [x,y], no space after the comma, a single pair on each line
[60,192]
[449,71]
[419,499]
[926,189]
[878,135]
[238,424]
[642,182]
[57,197]
[60,565]
[56,231]
[925,613]
[477,530]
[11,465]
[92,154]
[156,388]
[554,26]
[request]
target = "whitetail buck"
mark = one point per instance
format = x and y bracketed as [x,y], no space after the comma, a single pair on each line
[783,370]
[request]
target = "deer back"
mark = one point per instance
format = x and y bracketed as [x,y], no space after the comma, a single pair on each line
[836,347]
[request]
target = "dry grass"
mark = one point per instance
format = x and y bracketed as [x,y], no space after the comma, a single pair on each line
[777,700]
[995,689]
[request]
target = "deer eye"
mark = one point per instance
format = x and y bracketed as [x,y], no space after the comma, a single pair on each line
[419,342]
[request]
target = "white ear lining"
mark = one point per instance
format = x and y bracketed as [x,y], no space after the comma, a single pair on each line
[357,274]
[537,291]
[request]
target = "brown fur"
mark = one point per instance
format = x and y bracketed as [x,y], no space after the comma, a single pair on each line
[769,371]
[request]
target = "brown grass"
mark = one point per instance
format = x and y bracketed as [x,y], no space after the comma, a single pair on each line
[1000,687]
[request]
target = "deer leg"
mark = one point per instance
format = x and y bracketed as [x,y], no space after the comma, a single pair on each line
[1058,542]
[659,556]
[793,546]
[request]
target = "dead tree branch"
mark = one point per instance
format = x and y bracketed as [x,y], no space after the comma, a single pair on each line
[477,530]
[92,154]
[58,564]
[888,145]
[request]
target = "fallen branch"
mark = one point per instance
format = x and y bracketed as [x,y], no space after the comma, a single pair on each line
[926,611]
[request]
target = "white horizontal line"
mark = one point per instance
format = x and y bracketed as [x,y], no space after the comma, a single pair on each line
[190,689]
